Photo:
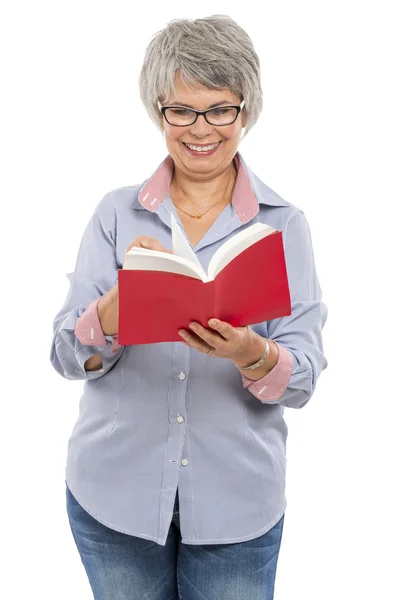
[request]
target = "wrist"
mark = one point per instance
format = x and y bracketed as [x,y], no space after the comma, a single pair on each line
[267,366]
[253,355]
[104,311]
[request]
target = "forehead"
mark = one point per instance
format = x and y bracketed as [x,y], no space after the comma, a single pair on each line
[200,97]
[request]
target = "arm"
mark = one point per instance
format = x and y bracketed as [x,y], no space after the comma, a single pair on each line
[298,336]
[95,273]
[93,363]
[91,328]
[268,381]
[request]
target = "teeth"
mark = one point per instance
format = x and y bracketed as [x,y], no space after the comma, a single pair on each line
[202,148]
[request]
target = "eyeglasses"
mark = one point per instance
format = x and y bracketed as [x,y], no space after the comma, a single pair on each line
[181,116]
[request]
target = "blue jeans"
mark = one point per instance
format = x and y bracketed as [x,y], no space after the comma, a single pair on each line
[124,567]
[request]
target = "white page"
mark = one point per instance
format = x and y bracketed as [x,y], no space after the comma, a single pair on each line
[154,260]
[233,247]
[181,246]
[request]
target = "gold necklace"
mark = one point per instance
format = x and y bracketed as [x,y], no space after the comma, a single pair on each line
[199,215]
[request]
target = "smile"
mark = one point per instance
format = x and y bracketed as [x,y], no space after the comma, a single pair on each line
[202,149]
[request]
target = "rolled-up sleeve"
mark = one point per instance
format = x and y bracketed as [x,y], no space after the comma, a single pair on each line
[300,333]
[88,329]
[271,386]
[96,271]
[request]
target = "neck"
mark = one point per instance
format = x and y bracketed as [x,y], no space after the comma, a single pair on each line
[200,194]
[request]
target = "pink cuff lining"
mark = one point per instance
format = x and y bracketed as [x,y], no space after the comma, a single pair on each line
[271,386]
[114,344]
[88,328]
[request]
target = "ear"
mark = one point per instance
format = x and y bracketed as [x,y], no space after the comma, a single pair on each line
[161,129]
[244,117]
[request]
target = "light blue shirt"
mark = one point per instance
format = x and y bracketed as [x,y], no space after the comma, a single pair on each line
[159,419]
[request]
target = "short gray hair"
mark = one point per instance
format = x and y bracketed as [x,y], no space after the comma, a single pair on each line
[215,52]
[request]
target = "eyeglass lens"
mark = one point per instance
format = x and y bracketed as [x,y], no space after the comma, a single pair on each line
[185,116]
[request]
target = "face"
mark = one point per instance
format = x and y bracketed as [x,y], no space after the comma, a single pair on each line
[199,166]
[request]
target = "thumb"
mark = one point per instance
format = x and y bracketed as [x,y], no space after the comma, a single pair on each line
[152,244]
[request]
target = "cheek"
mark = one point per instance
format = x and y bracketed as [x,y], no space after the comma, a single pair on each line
[172,134]
[232,132]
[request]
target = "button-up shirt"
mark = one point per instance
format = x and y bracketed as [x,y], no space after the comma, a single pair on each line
[161,419]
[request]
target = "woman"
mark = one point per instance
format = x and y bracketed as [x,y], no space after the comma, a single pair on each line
[176,465]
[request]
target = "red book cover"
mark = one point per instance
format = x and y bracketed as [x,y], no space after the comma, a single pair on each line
[253,287]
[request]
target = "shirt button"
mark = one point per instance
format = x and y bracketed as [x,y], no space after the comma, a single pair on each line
[179,419]
[185,462]
[182,375]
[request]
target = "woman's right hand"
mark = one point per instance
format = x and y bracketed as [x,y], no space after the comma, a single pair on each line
[145,241]
[107,307]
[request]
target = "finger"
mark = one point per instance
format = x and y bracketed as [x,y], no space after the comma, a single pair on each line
[152,244]
[134,244]
[147,242]
[225,330]
[212,338]
[192,340]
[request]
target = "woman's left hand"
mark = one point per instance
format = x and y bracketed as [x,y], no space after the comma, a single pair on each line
[240,344]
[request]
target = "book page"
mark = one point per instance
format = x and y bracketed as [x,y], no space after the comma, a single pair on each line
[233,247]
[181,246]
[154,260]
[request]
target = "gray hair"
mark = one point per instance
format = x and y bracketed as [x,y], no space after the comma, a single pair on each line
[215,52]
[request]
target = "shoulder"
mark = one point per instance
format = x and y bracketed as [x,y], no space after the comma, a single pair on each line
[274,209]
[118,202]
[278,212]
[268,199]
[123,196]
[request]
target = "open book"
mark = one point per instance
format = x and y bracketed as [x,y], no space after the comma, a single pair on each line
[159,293]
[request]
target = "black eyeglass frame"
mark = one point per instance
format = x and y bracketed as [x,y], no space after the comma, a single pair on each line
[201,112]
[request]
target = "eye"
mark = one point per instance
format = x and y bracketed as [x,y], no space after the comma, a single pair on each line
[182,112]
[219,111]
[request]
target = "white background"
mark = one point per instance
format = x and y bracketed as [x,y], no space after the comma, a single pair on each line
[73,128]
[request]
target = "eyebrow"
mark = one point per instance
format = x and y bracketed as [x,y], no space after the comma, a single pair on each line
[211,105]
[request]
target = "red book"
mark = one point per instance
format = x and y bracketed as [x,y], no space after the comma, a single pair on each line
[160,293]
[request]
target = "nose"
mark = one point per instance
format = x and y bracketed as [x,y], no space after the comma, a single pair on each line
[200,127]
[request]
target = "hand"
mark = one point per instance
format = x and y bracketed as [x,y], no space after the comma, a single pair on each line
[107,307]
[145,241]
[240,344]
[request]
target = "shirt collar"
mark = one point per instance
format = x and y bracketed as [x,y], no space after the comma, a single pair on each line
[248,193]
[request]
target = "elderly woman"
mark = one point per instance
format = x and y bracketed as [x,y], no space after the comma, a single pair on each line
[176,465]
